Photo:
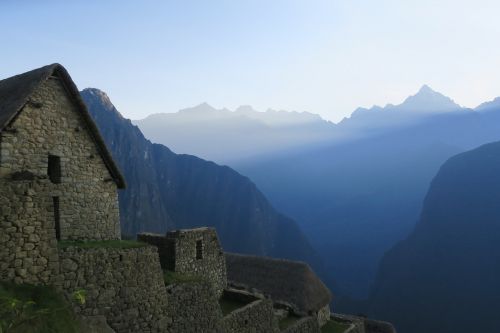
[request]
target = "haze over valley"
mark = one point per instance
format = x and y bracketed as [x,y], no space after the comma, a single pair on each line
[356,188]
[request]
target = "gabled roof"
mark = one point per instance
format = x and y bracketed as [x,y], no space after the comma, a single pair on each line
[16,91]
[283,280]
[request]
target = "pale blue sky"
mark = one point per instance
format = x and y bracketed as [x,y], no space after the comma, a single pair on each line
[327,57]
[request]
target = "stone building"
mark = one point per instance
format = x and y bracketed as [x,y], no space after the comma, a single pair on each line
[194,252]
[291,283]
[58,181]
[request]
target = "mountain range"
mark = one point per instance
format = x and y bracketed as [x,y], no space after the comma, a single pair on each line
[414,109]
[420,248]
[168,191]
[226,136]
[356,199]
[358,189]
[357,192]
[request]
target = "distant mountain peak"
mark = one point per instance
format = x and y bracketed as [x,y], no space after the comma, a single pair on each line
[245,109]
[428,100]
[200,108]
[490,105]
[425,89]
[101,95]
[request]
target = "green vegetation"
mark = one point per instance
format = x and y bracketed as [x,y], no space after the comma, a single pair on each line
[26,308]
[229,305]
[288,321]
[114,244]
[174,278]
[333,326]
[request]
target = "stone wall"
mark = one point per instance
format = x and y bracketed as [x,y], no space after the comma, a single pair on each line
[192,251]
[28,246]
[193,307]
[124,285]
[323,315]
[357,323]
[51,125]
[257,316]
[166,248]
[304,325]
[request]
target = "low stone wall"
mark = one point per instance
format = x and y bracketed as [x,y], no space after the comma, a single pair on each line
[241,296]
[304,325]
[364,325]
[257,316]
[193,307]
[357,323]
[124,285]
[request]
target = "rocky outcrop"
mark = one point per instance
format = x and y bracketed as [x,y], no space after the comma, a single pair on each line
[447,269]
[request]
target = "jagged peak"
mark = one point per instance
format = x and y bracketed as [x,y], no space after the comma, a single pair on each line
[427,99]
[202,108]
[102,97]
[493,104]
[99,94]
[425,89]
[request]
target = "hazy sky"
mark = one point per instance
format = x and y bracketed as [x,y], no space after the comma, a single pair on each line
[327,57]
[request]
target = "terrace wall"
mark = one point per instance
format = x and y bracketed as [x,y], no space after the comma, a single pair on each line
[193,307]
[257,316]
[124,285]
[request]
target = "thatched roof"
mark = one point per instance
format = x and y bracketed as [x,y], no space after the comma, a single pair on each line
[287,281]
[16,91]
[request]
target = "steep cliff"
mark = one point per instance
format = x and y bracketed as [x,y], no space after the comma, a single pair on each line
[167,191]
[444,277]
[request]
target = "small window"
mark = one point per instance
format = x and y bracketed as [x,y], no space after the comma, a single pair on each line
[54,169]
[199,249]
[57,217]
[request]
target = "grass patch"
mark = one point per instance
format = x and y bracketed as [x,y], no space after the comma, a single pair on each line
[288,321]
[35,309]
[113,244]
[333,326]
[229,305]
[175,278]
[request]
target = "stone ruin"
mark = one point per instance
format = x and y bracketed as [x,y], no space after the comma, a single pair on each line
[59,189]
[193,252]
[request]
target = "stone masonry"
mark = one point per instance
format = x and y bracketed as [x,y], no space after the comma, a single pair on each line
[87,202]
[193,307]
[124,285]
[50,125]
[194,252]
[28,246]
[257,316]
